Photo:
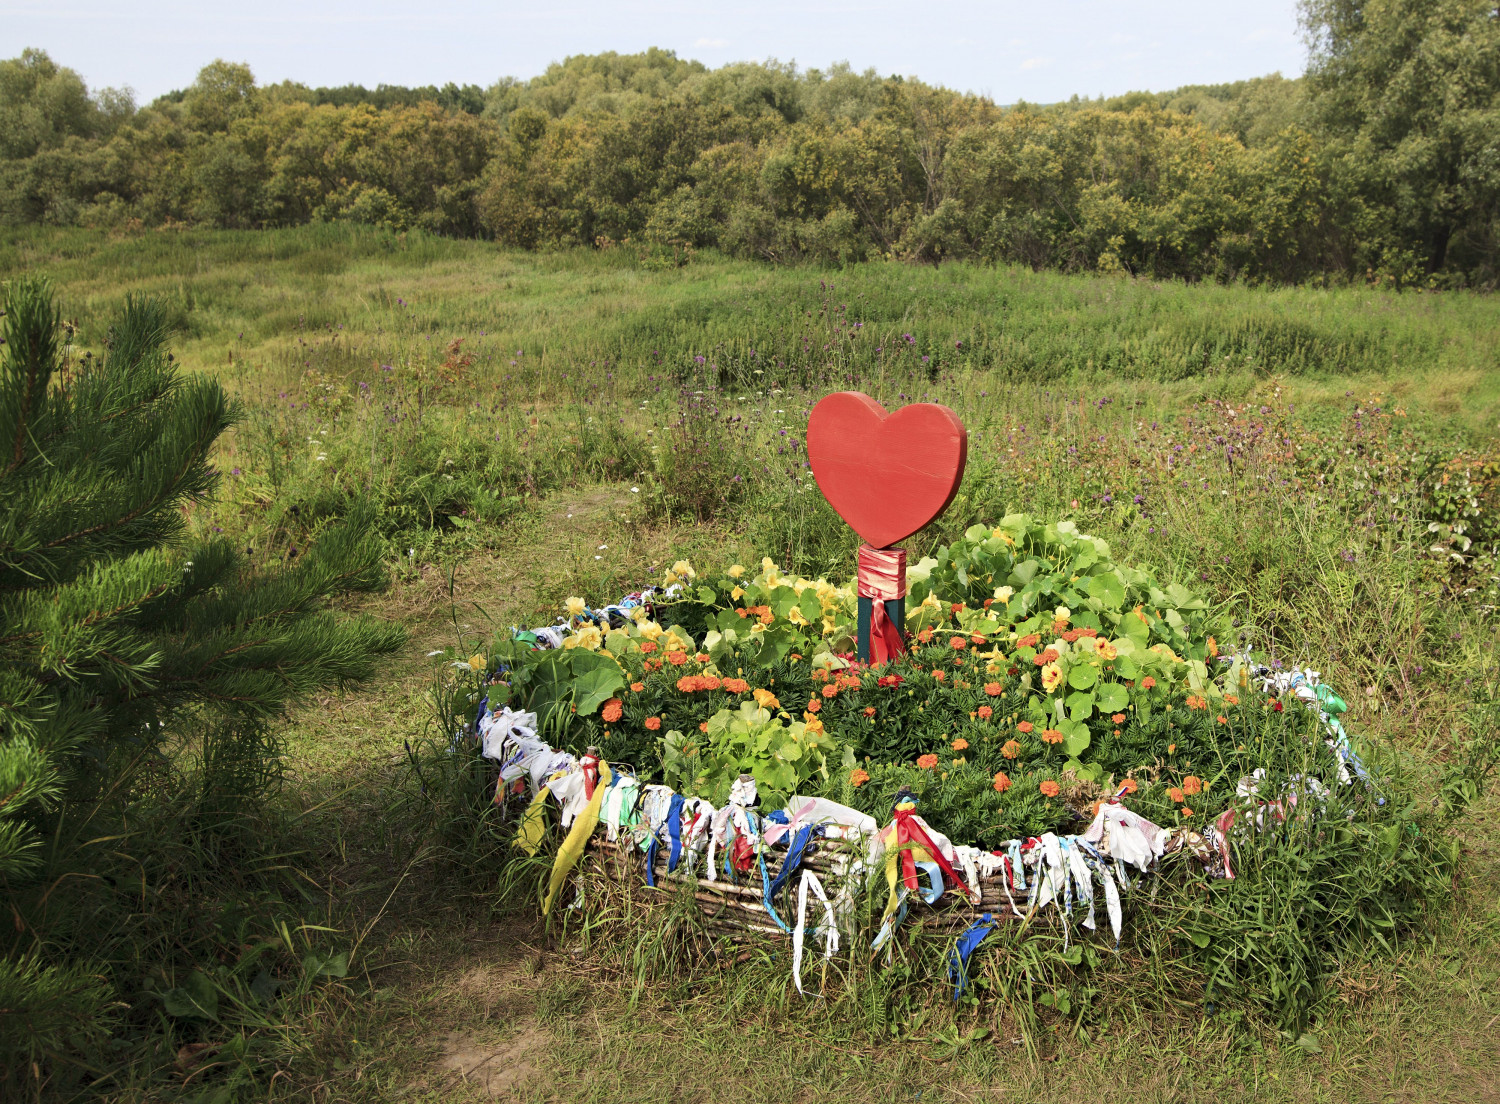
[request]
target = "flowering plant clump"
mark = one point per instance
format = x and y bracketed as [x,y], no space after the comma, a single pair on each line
[1040,678]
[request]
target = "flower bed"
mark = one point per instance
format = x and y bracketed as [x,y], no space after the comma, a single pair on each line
[1049,696]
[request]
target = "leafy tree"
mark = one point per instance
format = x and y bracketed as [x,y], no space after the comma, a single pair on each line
[1410,92]
[119,632]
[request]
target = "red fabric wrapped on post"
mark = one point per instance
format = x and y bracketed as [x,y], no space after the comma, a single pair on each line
[882,579]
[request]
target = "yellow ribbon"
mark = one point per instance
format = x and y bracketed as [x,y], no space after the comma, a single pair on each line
[572,849]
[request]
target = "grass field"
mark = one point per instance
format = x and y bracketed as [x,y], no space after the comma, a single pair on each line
[535,426]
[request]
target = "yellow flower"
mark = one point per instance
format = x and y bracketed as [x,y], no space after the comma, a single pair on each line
[638,614]
[736,571]
[796,617]
[650,630]
[737,593]
[1105,649]
[1062,613]
[757,628]
[766,700]
[576,606]
[814,725]
[1003,594]
[588,638]
[476,662]
[1051,676]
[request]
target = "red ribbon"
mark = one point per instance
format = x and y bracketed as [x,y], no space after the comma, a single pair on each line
[590,767]
[882,579]
[909,831]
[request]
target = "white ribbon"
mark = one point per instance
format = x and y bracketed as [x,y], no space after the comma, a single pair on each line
[829,929]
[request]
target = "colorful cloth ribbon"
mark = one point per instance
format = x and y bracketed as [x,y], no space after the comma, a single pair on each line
[882,579]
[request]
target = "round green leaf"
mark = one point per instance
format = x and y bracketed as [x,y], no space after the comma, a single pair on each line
[1081,676]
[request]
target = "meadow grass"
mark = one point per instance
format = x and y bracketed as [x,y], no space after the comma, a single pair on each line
[575,413]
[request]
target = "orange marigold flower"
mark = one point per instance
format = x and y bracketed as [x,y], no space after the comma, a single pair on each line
[993,689]
[1186,811]
[653,723]
[925,636]
[1222,719]
[736,685]
[708,682]
[1010,749]
[959,643]
[984,712]
[613,710]
[1052,736]
[955,607]
[676,659]
[637,687]
[687,683]
[975,638]
[1232,699]
[1050,788]
[767,617]
[939,675]
[813,705]
[1029,641]
[1147,683]
[927,762]
[1128,786]
[858,777]
[1002,782]
[1192,784]
[701,657]
[1213,646]
[1175,794]
[703,727]
[1171,748]
[1025,726]
[830,690]
[1118,718]
[649,646]
[869,711]
[960,744]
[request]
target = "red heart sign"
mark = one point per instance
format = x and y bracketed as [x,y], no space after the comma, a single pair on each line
[887,475]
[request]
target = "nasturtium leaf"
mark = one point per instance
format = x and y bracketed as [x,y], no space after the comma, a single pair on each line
[1076,743]
[1111,696]
[1080,706]
[1082,675]
[1127,668]
[707,595]
[1108,589]
[811,608]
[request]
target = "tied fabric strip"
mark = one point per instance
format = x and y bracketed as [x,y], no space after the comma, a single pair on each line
[963,947]
[828,929]
[882,579]
[674,830]
[909,831]
[572,848]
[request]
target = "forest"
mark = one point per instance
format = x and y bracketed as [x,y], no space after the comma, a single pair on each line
[1382,164]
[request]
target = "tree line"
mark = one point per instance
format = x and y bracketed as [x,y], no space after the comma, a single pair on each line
[1382,163]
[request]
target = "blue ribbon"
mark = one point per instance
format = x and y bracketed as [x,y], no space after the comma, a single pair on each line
[674,829]
[963,947]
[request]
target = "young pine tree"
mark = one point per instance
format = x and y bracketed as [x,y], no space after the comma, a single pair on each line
[118,632]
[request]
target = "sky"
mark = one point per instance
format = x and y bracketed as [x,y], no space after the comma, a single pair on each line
[1005,49]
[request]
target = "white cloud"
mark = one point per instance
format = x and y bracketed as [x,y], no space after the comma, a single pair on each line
[711,43]
[1035,63]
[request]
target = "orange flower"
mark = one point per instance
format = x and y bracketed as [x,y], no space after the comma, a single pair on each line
[830,690]
[813,705]
[960,744]
[927,762]
[736,685]
[858,777]
[1002,782]
[984,712]
[1049,788]
[1118,718]
[767,617]
[939,675]
[925,636]
[649,646]
[767,700]
[1128,786]
[637,687]
[1231,699]
[1175,794]
[869,711]
[701,657]
[1213,646]
[1025,726]
[975,638]
[1222,719]
[1171,748]
[1192,784]
[1147,683]
[708,682]
[1186,811]
[993,689]
[1010,749]
[676,659]
[612,710]
[959,643]
[1029,641]
[954,607]
[653,723]
[687,683]
[1052,736]
[703,727]
[1195,702]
